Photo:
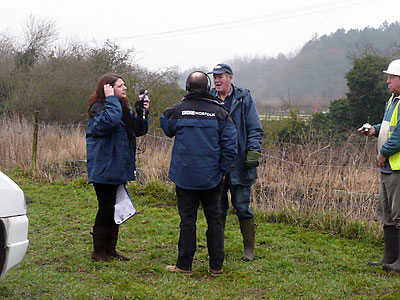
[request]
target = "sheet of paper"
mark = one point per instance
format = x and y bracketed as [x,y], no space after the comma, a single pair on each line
[124,208]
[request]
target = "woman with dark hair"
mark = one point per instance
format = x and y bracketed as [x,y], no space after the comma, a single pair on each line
[111,147]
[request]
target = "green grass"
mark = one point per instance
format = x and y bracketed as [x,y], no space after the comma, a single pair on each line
[291,262]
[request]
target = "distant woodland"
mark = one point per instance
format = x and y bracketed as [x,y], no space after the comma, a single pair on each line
[317,72]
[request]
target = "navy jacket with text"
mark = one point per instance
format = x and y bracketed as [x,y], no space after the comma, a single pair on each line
[205,144]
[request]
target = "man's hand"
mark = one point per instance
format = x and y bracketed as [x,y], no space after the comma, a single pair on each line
[252,159]
[381,159]
[108,90]
[370,131]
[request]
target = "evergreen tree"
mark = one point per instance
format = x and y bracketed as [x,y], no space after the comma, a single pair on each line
[340,114]
[368,91]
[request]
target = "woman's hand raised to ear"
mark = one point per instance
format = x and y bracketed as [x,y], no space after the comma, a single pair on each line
[108,90]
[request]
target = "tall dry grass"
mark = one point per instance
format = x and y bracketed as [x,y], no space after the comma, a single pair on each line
[57,144]
[332,186]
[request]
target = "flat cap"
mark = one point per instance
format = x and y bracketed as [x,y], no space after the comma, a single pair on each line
[221,69]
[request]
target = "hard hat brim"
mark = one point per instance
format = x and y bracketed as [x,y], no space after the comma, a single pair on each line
[390,73]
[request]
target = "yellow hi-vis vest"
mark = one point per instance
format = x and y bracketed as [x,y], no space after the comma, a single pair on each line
[394,159]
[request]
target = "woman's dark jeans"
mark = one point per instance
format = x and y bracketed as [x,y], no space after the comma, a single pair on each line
[106,200]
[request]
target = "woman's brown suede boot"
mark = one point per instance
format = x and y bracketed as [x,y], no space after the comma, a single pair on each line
[112,238]
[99,244]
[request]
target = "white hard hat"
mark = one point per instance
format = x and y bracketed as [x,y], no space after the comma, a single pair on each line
[394,68]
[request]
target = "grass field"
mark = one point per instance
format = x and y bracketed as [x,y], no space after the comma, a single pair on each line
[291,262]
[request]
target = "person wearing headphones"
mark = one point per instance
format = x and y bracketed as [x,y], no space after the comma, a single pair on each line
[204,149]
[243,175]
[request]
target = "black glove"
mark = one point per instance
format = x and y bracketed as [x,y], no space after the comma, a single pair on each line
[139,107]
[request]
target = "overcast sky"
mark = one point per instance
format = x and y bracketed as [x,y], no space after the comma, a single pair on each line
[186,33]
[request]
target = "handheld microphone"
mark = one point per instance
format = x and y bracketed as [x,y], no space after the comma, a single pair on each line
[143,93]
[140,104]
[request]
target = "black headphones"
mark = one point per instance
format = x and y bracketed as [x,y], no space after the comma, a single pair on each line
[188,87]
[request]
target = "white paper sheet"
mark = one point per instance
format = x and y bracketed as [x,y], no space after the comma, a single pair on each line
[124,208]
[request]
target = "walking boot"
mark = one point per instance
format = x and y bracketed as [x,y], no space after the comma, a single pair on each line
[391,239]
[112,238]
[396,265]
[247,229]
[99,244]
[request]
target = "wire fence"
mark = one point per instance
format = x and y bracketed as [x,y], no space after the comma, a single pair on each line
[141,148]
[318,177]
[284,182]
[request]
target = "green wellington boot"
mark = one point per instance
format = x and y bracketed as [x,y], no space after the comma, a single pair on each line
[248,231]
[396,265]
[391,238]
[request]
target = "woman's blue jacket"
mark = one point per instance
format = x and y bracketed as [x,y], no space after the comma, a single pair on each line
[110,153]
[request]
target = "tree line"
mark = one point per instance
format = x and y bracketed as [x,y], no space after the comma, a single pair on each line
[364,102]
[317,71]
[38,74]
[57,80]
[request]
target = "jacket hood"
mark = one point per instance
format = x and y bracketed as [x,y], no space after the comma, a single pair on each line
[204,96]
[239,92]
[199,94]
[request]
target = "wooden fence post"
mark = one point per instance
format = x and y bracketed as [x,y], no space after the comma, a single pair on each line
[35,138]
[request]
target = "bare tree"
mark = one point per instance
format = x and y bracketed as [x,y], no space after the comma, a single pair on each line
[38,36]
[39,33]
[7,46]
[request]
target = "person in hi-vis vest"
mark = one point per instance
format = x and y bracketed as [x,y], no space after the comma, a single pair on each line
[388,133]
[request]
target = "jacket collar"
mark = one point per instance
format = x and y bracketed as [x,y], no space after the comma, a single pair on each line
[237,97]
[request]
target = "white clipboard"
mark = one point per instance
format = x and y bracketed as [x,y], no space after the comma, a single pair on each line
[124,208]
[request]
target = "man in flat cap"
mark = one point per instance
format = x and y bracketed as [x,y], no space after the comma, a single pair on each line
[243,174]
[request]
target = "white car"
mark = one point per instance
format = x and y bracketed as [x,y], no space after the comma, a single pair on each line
[13,225]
